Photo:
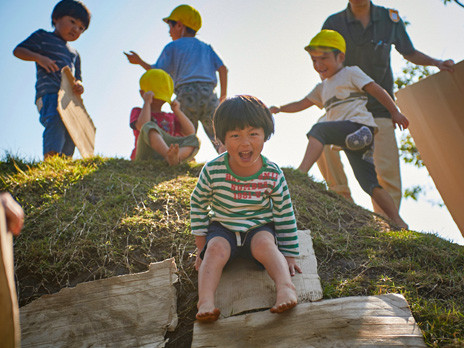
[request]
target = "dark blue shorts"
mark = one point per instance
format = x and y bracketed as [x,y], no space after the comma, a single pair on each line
[357,141]
[55,136]
[215,229]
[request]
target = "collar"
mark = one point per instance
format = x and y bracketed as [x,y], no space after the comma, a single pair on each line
[375,13]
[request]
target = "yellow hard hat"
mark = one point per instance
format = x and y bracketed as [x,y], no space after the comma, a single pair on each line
[159,82]
[327,38]
[186,14]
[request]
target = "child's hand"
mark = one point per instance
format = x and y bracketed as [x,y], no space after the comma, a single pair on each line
[274,109]
[399,119]
[148,97]
[133,57]
[13,212]
[48,64]
[292,266]
[78,88]
[175,107]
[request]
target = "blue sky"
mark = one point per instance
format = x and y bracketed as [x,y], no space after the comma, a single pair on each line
[261,43]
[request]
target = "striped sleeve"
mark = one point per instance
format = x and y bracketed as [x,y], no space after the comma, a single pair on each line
[284,218]
[200,200]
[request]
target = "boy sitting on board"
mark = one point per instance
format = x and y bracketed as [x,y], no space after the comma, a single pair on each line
[241,206]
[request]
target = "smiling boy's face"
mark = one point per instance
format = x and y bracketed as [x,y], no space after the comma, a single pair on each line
[326,62]
[244,147]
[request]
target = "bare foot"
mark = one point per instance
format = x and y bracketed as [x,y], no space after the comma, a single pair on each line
[401,224]
[172,155]
[286,299]
[208,315]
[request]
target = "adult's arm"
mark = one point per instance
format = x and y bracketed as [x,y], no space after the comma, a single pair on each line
[419,58]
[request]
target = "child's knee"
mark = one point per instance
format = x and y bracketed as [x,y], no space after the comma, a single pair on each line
[263,240]
[360,139]
[219,248]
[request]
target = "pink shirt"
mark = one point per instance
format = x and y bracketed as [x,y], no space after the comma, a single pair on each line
[166,121]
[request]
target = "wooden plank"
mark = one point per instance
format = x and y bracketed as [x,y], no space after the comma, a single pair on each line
[133,310]
[10,333]
[434,106]
[74,115]
[374,321]
[244,286]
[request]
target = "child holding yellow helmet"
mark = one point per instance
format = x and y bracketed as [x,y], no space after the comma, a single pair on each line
[160,135]
[193,65]
[348,124]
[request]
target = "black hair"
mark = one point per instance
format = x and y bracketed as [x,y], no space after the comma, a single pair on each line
[239,112]
[189,30]
[72,8]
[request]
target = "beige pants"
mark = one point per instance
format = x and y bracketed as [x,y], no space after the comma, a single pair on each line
[386,161]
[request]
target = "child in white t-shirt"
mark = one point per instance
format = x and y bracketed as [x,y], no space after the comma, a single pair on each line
[349,124]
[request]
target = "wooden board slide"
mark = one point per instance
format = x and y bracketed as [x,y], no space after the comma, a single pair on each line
[133,310]
[75,118]
[9,312]
[244,286]
[374,321]
[435,108]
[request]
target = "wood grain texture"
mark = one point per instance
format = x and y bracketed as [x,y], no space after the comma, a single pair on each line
[434,106]
[133,310]
[374,321]
[74,116]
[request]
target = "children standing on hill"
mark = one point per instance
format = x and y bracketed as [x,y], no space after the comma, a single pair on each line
[160,135]
[241,206]
[192,64]
[342,93]
[51,52]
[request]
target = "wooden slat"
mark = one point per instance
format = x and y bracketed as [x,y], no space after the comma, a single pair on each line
[127,311]
[75,118]
[435,108]
[245,287]
[374,321]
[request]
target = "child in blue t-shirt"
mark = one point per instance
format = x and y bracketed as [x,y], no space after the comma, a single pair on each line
[51,52]
[192,64]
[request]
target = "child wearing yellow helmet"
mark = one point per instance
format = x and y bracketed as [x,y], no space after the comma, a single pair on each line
[193,65]
[160,135]
[348,124]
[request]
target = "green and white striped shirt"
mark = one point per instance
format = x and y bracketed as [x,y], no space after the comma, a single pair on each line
[243,203]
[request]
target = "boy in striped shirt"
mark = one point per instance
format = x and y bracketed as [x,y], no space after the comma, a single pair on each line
[241,206]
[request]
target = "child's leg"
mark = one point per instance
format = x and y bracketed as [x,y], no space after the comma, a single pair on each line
[313,152]
[185,152]
[216,256]
[56,139]
[264,250]
[157,143]
[385,202]
[363,167]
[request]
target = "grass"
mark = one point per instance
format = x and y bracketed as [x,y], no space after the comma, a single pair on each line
[96,218]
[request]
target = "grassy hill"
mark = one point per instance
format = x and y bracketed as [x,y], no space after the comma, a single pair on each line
[97,218]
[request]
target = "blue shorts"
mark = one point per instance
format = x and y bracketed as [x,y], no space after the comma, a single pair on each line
[215,229]
[55,136]
[357,141]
